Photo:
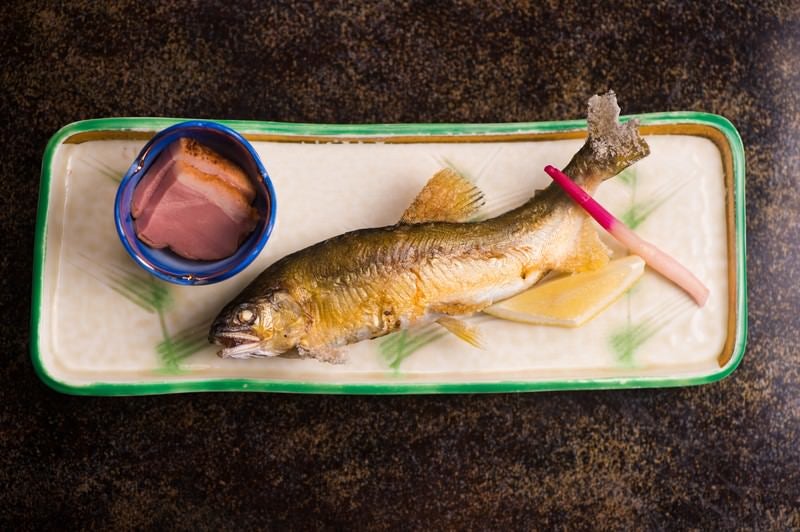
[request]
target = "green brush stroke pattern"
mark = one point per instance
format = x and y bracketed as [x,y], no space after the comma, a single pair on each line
[626,340]
[174,349]
[155,297]
[638,211]
[104,169]
[629,338]
[628,176]
[397,347]
[145,292]
[150,295]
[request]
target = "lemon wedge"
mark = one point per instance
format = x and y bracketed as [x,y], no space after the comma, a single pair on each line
[573,300]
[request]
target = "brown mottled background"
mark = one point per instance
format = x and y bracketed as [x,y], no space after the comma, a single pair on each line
[724,455]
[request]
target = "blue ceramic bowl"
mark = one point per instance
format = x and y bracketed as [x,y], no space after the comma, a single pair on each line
[165,264]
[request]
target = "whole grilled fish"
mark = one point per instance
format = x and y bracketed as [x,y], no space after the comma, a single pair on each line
[432,266]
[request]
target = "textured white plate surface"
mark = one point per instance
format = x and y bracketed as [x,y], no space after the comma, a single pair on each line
[105,320]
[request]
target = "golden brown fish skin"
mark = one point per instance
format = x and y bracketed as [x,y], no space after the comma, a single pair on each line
[371,282]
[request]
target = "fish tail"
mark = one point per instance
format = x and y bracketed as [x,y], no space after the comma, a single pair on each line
[610,147]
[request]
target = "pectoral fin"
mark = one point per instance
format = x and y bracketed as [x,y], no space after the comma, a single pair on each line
[463,330]
[448,197]
[588,254]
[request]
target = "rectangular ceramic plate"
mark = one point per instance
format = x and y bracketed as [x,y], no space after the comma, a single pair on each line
[101,326]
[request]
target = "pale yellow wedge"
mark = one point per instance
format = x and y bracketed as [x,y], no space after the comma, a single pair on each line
[573,300]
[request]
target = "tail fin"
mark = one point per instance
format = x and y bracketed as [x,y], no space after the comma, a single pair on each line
[611,146]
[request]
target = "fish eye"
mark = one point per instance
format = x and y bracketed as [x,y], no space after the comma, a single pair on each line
[245,316]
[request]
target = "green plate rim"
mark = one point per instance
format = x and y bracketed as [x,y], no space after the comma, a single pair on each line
[262,385]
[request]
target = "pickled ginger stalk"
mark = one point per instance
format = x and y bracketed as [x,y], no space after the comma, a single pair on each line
[654,257]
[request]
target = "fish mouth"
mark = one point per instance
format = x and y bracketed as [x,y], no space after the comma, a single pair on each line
[233,338]
[241,345]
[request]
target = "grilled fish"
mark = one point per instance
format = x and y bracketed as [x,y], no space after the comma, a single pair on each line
[434,265]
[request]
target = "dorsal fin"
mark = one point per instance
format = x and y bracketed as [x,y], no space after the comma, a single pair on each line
[448,197]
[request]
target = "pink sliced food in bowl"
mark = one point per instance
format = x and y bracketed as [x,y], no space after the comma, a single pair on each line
[195,154]
[194,202]
[210,162]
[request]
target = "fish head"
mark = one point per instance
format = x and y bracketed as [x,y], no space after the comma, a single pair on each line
[264,326]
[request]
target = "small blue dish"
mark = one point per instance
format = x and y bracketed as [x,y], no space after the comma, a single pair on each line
[165,264]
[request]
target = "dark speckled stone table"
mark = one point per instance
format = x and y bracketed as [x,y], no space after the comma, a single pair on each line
[725,455]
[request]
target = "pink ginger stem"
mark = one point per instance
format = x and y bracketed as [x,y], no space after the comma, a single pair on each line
[654,257]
